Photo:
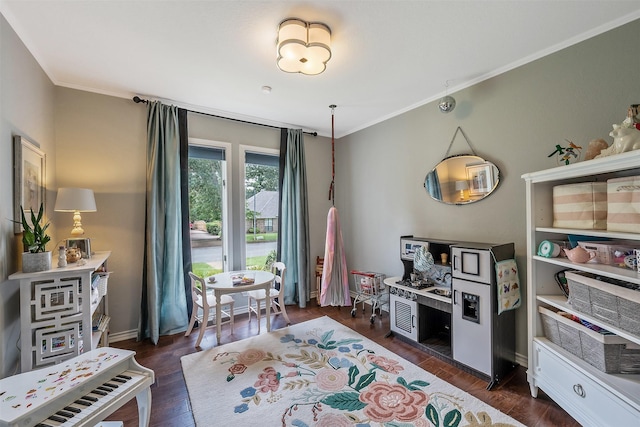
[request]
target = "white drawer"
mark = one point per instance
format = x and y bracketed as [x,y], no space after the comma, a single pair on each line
[586,400]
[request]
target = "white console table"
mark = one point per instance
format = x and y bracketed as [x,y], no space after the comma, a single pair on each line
[57,309]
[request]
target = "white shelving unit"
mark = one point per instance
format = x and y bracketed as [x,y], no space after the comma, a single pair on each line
[57,310]
[591,396]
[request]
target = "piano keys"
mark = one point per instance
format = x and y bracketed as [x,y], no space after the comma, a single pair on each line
[77,392]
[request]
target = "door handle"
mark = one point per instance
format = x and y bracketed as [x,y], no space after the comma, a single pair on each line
[413,323]
[455,292]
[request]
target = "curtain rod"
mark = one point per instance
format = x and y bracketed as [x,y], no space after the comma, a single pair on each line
[139,100]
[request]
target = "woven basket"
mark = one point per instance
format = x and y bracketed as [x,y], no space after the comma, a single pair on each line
[611,303]
[608,353]
[102,283]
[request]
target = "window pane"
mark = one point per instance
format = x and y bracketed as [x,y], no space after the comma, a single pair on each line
[261,209]
[211,153]
[206,208]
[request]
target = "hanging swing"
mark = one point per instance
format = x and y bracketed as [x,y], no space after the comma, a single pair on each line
[334,288]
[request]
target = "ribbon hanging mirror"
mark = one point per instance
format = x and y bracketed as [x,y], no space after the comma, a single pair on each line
[463,178]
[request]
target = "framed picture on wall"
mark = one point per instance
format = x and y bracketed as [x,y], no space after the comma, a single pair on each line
[28,182]
[480,178]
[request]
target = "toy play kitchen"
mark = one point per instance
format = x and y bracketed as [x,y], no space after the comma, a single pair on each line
[449,307]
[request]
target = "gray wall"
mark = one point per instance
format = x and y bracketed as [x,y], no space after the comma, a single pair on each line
[26,109]
[514,120]
[101,144]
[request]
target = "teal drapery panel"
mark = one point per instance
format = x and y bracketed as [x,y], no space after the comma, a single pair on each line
[163,306]
[433,185]
[294,231]
[184,196]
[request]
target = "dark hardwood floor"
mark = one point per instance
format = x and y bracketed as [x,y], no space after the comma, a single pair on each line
[171,407]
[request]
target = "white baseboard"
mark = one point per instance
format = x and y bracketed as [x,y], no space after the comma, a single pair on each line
[133,333]
[522,360]
[121,336]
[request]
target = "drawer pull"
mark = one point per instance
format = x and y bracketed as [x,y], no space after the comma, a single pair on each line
[579,390]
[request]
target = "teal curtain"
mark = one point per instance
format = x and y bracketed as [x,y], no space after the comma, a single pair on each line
[432,183]
[163,307]
[294,220]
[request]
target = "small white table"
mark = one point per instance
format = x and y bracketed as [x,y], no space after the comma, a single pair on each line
[223,284]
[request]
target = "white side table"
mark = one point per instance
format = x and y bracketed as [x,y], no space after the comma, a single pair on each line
[56,312]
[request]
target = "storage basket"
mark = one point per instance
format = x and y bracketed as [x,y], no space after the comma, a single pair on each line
[103,280]
[608,353]
[623,204]
[616,304]
[582,206]
[610,253]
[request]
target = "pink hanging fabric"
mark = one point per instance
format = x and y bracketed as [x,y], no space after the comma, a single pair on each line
[334,288]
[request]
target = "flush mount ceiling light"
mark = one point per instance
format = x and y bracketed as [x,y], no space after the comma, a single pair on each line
[303,47]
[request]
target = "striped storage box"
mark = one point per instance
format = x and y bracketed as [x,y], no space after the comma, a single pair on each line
[623,200]
[581,206]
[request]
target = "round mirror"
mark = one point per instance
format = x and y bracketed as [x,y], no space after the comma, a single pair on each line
[458,180]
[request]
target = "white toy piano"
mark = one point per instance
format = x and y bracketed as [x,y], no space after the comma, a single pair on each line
[77,392]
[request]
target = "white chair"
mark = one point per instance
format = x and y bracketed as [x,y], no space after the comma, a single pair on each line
[276,295]
[208,306]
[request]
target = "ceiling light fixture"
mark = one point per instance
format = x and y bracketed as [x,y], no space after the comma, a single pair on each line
[446,103]
[303,47]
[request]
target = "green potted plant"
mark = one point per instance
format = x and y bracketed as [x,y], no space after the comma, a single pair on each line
[34,239]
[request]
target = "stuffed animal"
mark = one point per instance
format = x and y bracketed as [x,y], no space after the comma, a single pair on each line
[624,139]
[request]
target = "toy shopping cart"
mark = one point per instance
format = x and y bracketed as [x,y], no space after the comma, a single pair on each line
[370,287]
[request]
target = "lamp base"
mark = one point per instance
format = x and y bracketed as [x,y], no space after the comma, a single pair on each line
[77,225]
[77,231]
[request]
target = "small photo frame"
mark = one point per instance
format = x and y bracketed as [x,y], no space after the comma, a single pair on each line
[29,178]
[480,178]
[84,245]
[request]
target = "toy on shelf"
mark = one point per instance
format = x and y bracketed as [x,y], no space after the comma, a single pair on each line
[567,155]
[624,139]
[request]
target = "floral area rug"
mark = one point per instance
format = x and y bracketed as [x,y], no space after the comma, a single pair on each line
[321,373]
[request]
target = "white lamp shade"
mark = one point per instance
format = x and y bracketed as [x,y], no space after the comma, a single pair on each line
[462,185]
[75,199]
[303,47]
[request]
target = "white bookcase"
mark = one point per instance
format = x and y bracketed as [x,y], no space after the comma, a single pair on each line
[591,396]
[57,309]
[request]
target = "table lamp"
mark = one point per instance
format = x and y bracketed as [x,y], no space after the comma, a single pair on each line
[75,200]
[461,186]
